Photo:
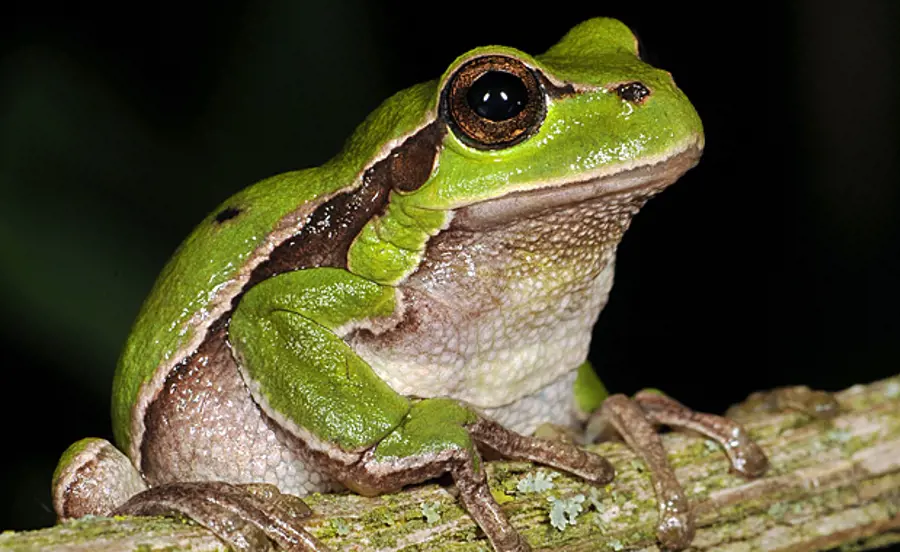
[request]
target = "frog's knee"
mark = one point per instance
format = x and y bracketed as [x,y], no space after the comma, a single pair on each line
[93,477]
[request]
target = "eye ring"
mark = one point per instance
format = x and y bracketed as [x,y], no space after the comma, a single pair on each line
[493,102]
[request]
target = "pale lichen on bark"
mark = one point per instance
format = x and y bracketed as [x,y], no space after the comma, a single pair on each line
[833,483]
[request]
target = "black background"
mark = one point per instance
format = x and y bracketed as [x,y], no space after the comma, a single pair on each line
[774,262]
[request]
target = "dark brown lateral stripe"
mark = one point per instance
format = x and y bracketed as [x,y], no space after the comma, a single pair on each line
[326,237]
[555,92]
[410,165]
[322,242]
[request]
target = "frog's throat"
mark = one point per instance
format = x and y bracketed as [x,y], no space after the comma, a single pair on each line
[645,180]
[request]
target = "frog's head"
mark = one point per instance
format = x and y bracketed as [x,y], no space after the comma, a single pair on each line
[585,131]
[508,199]
[586,118]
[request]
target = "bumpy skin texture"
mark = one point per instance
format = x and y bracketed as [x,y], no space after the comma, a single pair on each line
[549,277]
[369,322]
[206,427]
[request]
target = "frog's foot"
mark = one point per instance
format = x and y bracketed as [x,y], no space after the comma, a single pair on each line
[817,404]
[442,436]
[245,517]
[635,420]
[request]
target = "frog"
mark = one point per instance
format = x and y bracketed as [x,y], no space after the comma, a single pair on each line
[422,299]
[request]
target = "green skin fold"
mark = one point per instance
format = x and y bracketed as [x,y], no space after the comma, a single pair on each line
[283,334]
[286,330]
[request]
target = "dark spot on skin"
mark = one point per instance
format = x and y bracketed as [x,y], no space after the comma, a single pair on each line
[634,92]
[555,92]
[227,214]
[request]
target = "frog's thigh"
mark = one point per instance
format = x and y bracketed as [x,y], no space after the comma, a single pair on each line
[286,335]
[93,477]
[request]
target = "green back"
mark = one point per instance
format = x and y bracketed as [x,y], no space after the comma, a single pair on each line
[214,253]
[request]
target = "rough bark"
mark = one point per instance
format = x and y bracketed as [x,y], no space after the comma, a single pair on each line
[832,483]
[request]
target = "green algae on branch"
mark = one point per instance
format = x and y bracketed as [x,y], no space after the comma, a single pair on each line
[833,483]
[150,534]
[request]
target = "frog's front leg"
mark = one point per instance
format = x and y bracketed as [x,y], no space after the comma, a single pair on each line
[439,436]
[636,420]
[287,336]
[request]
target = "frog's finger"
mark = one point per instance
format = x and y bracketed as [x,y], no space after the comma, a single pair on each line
[244,519]
[476,496]
[675,528]
[555,453]
[747,458]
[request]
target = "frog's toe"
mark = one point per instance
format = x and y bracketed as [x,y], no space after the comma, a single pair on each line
[800,398]
[245,517]
[675,529]
[746,457]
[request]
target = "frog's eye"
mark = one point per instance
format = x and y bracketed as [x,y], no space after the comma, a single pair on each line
[493,102]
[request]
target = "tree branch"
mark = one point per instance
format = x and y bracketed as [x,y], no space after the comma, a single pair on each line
[832,483]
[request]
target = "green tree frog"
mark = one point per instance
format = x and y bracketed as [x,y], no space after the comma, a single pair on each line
[426,294]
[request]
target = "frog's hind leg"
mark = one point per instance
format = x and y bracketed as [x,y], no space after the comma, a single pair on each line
[95,478]
[635,420]
[245,517]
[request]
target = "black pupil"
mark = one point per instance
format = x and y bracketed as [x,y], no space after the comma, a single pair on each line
[497,95]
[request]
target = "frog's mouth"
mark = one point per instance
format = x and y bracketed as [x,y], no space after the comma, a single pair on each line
[639,181]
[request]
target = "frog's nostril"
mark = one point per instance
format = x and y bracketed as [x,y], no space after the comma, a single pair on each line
[634,92]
